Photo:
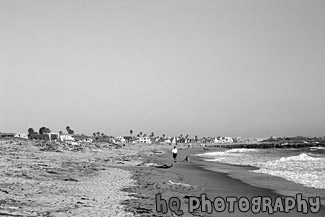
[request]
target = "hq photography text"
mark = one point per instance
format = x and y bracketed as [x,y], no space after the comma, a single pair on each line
[229,204]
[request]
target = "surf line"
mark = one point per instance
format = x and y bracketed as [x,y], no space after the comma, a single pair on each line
[255,204]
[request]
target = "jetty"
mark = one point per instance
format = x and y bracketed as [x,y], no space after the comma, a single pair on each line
[266,145]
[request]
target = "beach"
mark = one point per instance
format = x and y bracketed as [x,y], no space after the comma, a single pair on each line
[162,108]
[197,177]
[52,179]
[47,179]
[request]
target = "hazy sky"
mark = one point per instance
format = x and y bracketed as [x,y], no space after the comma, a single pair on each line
[206,68]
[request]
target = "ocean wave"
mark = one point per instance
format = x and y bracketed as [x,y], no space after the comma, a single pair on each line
[233,156]
[230,152]
[241,150]
[218,153]
[302,169]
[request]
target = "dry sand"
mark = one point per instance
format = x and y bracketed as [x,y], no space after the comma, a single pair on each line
[50,179]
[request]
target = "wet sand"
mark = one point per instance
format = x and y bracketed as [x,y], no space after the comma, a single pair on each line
[186,179]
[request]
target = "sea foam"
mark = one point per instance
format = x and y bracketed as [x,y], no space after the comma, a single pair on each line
[291,164]
[302,169]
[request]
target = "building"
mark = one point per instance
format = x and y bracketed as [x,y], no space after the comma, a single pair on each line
[124,139]
[127,139]
[39,136]
[46,136]
[145,140]
[66,138]
[168,140]
[223,139]
[22,136]
[7,135]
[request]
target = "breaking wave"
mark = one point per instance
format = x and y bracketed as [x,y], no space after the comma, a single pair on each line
[303,168]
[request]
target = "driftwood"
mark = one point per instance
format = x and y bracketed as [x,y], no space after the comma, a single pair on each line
[180,184]
[163,166]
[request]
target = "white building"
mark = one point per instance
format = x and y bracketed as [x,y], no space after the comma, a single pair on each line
[53,136]
[66,137]
[223,139]
[145,140]
[22,135]
[120,139]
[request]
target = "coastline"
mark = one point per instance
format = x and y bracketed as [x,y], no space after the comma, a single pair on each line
[48,178]
[200,177]
[277,184]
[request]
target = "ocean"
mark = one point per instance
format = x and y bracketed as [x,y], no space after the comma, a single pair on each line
[303,166]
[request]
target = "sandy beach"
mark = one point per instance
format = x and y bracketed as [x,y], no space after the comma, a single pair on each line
[52,179]
[194,178]
[40,179]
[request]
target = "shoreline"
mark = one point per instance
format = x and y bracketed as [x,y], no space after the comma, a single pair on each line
[277,184]
[193,179]
[102,179]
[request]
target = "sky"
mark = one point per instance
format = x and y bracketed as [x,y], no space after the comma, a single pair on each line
[209,68]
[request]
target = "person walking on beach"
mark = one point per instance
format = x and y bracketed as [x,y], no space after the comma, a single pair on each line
[174,153]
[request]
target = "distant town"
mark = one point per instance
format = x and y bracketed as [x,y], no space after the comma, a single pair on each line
[69,136]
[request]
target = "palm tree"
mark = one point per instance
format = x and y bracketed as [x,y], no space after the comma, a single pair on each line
[131,132]
[94,134]
[163,136]
[152,134]
[43,130]
[140,133]
[30,132]
[68,129]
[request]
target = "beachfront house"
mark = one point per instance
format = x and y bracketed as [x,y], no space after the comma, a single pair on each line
[82,138]
[166,140]
[7,135]
[53,136]
[145,140]
[236,139]
[120,139]
[159,139]
[21,135]
[127,139]
[45,136]
[124,139]
[223,139]
[66,138]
